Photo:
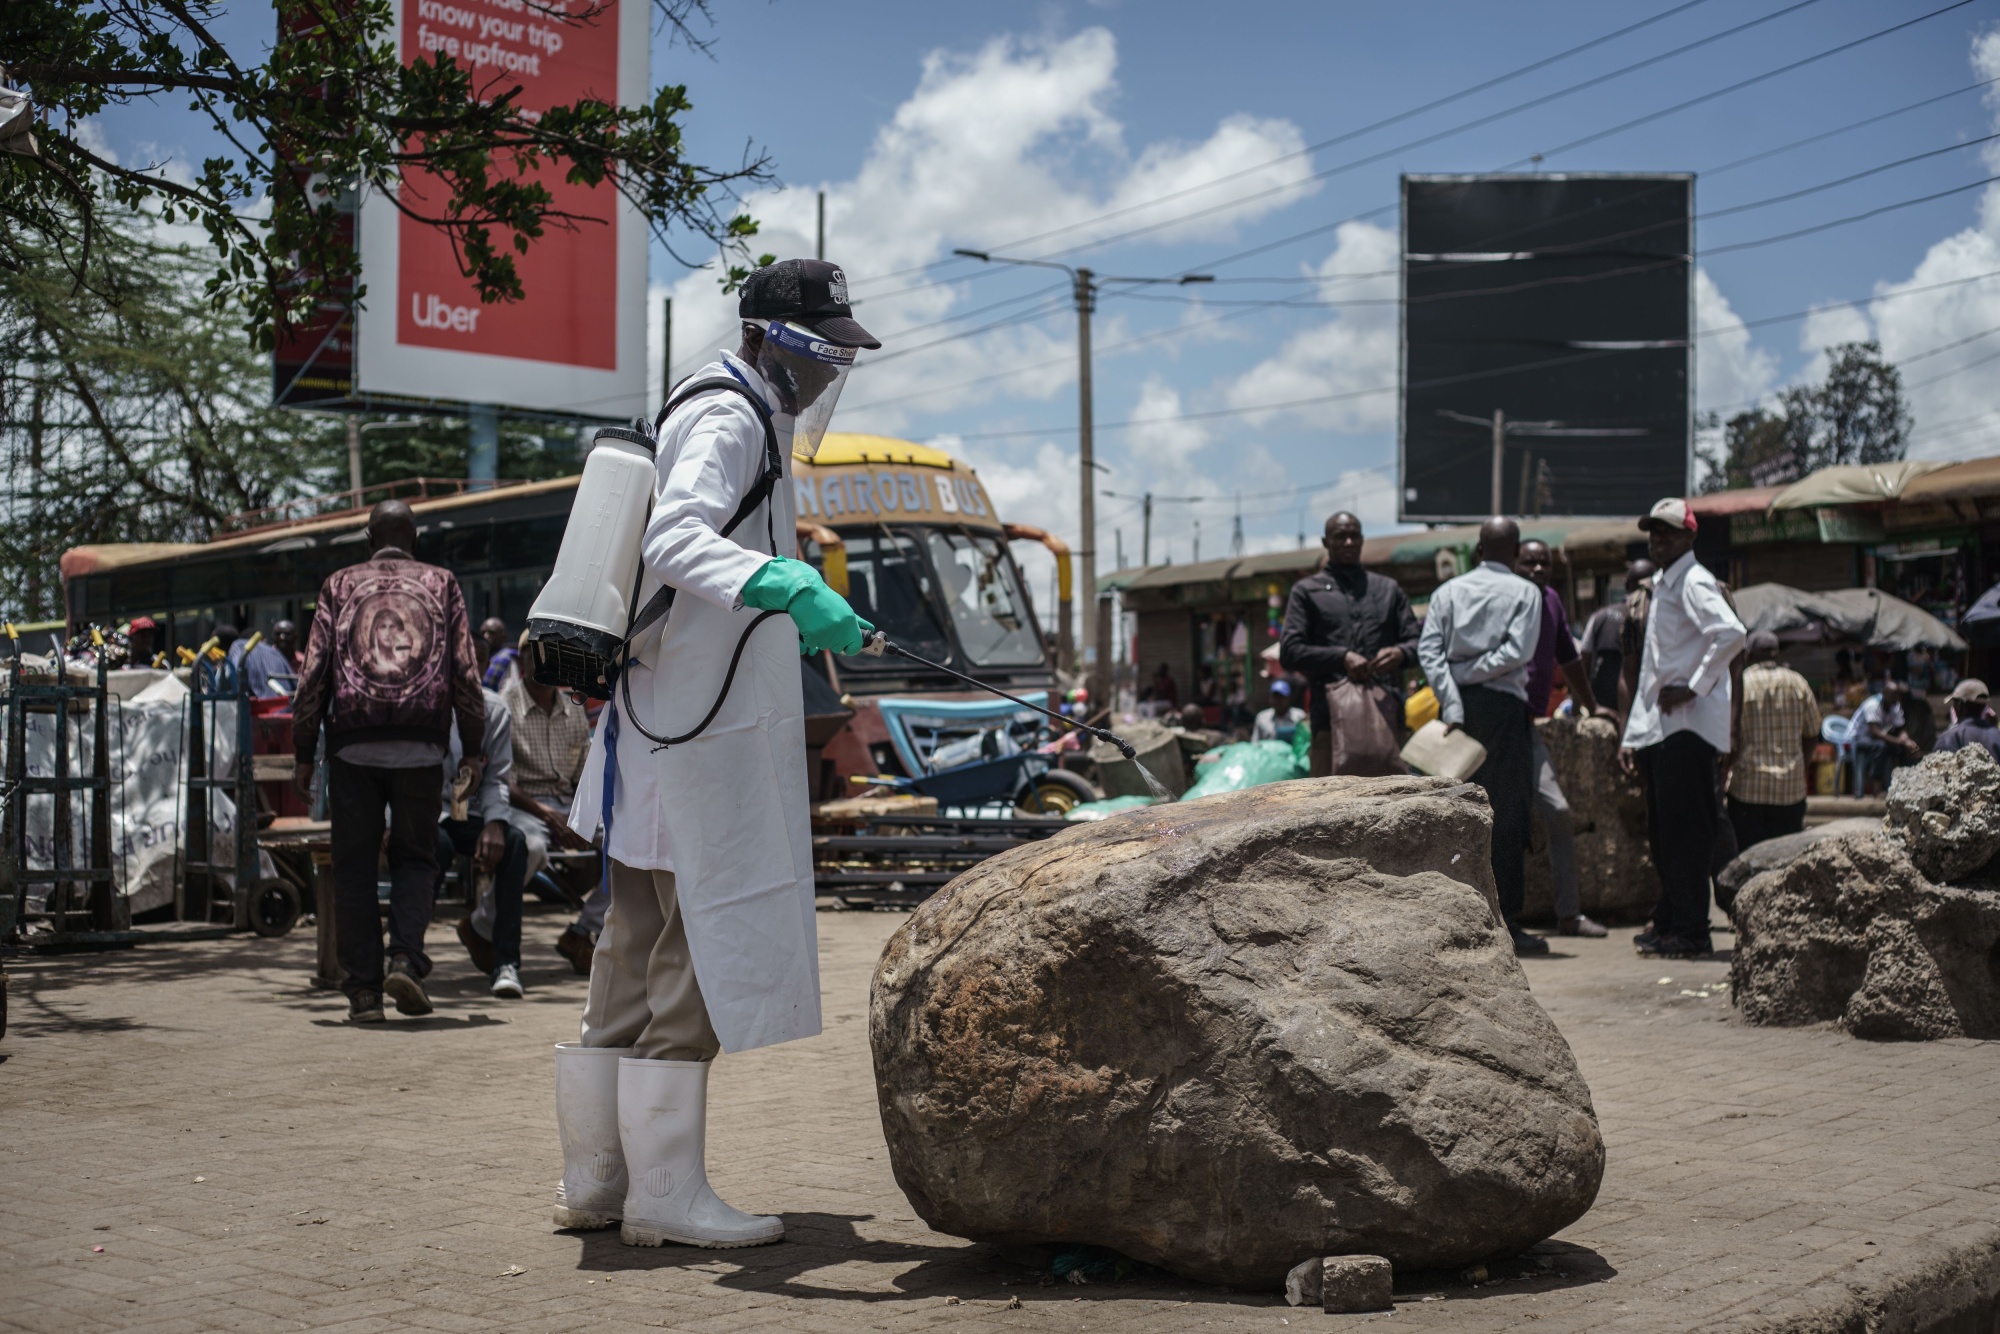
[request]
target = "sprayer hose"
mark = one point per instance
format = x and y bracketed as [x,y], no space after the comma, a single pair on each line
[728,679]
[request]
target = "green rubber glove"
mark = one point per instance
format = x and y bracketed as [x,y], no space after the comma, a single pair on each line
[823,618]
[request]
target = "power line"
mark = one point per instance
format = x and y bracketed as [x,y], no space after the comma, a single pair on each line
[1854,125]
[1344,137]
[1842,222]
[1742,84]
[1844,180]
[1479,122]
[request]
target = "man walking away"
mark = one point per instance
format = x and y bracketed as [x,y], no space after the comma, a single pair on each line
[388,669]
[1972,721]
[1278,722]
[1779,728]
[1475,649]
[1603,645]
[1679,726]
[1345,624]
[1880,741]
[1556,648]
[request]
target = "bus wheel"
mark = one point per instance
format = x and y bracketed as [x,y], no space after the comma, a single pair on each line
[1055,794]
[275,909]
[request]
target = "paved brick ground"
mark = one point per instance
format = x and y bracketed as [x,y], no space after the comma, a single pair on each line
[247,1162]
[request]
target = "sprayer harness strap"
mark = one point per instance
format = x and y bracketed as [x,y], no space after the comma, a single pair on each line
[662,600]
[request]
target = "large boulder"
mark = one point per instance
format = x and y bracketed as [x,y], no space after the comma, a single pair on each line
[1616,879]
[1946,812]
[1852,931]
[1773,853]
[1230,1034]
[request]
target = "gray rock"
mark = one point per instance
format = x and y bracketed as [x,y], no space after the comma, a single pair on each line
[1851,931]
[1220,1036]
[1616,879]
[1772,853]
[1946,811]
[1158,748]
[1352,1284]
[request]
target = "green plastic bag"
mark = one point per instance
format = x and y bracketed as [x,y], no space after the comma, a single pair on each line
[1302,740]
[1243,764]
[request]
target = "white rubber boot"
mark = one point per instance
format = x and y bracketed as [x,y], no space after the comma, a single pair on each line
[592,1193]
[663,1124]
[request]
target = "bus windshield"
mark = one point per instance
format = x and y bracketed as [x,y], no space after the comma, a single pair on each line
[889,586]
[980,590]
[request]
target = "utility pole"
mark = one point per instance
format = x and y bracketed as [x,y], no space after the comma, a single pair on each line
[1197,541]
[1086,449]
[354,456]
[1502,428]
[1146,541]
[1236,531]
[1118,536]
[1499,451]
[1084,284]
[819,249]
[667,349]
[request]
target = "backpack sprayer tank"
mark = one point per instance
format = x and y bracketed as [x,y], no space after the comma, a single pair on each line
[584,612]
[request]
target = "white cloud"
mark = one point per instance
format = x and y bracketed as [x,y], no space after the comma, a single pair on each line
[1007,142]
[1830,326]
[1355,350]
[1954,395]
[1730,371]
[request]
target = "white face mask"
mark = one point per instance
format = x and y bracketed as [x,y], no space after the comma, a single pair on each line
[807,374]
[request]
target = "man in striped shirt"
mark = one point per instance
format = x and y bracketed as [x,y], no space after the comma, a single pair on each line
[1779,728]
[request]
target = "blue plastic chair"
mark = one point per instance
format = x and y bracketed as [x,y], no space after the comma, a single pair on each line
[1839,732]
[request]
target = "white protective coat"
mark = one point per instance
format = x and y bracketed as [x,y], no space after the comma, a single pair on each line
[727,812]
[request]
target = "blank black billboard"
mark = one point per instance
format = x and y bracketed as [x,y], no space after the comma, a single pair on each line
[1563,302]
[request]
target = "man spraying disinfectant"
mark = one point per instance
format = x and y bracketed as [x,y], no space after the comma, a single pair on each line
[698,769]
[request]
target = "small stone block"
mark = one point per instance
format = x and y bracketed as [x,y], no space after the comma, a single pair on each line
[1350,1284]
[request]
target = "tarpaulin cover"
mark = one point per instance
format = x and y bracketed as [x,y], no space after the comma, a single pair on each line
[1864,615]
[1981,622]
[1853,484]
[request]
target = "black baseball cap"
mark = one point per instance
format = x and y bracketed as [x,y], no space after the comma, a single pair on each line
[811,292]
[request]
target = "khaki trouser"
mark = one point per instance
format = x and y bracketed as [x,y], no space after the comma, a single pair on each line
[643,992]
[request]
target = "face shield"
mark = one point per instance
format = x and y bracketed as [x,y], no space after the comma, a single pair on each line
[806,373]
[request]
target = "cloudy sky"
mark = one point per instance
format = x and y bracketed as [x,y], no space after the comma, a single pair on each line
[1161,138]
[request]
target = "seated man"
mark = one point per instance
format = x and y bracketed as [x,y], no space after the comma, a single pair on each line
[1281,720]
[551,737]
[495,845]
[1880,741]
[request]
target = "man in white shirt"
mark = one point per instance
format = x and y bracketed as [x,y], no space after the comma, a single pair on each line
[1679,725]
[1478,639]
[1278,722]
[1880,741]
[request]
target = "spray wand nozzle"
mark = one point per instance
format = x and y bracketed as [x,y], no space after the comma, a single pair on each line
[877,643]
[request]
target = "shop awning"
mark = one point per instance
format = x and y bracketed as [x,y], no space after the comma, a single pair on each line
[1285,563]
[1863,615]
[1975,479]
[1853,484]
[1743,500]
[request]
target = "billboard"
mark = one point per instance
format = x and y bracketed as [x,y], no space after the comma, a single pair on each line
[1547,354]
[575,344]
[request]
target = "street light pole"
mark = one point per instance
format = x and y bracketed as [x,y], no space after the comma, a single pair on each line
[1084,284]
[1086,453]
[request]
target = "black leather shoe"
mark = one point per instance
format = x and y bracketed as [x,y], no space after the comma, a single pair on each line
[401,985]
[365,1007]
[1525,944]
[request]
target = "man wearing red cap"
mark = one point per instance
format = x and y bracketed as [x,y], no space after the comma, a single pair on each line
[1680,725]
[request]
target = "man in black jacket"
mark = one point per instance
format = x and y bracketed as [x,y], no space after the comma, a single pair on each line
[1345,623]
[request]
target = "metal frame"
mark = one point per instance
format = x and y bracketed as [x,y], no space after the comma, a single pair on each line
[84,906]
[195,889]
